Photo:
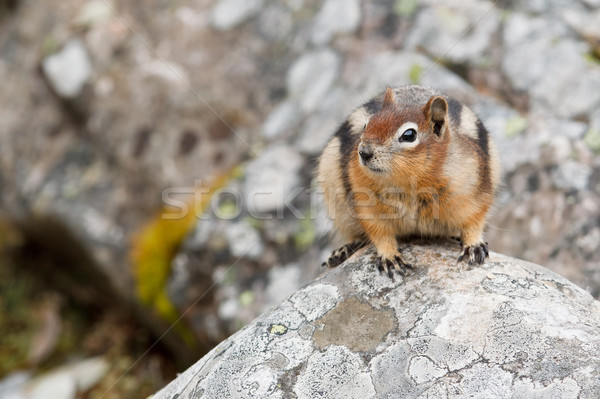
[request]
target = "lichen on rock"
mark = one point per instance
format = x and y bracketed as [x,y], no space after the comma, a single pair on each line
[506,329]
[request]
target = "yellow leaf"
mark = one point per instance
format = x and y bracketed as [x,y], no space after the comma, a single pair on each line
[155,246]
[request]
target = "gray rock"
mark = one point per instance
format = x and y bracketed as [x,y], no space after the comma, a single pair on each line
[506,329]
[460,32]
[94,12]
[283,281]
[317,130]
[229,13]
[572,175]
[337,372]
[311,76]
[544,6]
[521,138]
[536,50]
[406,67]
[592,135]
[64,381]
[584,22]
[573,91]
[271,179]
[276,22]
[11,385]
[281,121]
[592,139]
[526,41]
[336,16]
[68,70]
[244,240]
[54,385]
[592,3]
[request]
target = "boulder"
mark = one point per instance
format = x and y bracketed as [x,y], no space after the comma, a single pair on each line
[507,329]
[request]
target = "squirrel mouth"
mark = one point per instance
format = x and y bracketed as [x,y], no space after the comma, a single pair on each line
[369,165]
[374,169]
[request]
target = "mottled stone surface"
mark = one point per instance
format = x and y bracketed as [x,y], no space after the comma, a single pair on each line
[68,70]
[157,104]
[507,329]
[171,94]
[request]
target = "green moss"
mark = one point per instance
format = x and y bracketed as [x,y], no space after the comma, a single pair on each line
[229,277]
[592,57]
[277,329]
[50,45]
[23,295]
[246,298]
[17,320]
[256,223]
[415,73]
[405,8]
[515,126]
[592,139]
[228,210]
[306,234]
[238,172]
[485,62]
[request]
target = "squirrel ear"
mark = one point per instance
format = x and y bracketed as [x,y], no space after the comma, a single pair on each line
[390,98]
[438,114]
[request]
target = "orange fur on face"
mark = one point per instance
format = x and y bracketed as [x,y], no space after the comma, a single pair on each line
[416,167]
[383,125]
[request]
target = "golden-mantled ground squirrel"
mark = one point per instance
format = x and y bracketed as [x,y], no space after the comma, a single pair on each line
[410,162]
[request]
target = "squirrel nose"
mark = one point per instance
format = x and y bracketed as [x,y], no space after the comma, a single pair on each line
[365,152]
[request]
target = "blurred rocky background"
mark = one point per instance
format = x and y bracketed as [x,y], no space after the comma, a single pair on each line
[156,161]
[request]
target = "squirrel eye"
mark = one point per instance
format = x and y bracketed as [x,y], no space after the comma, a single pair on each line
[408,136]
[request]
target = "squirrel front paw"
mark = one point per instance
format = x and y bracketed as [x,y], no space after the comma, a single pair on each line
[338,256]
[475,253]
[388,264]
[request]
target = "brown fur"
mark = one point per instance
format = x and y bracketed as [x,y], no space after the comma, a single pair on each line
[442,185]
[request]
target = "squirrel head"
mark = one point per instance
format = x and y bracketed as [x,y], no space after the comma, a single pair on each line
[401,137]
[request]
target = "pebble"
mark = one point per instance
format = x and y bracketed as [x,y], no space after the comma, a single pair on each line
[457,32]
[592,3]
[11,385]
[276,23]
[572,91]
[592,139]
[527,41]
[64,382]
[55,385]
[545,6]
[94,12]
[229,13]
[404,68]
[319,128]
[311,76]
[571,175]
[68,70]
[316,132]
[271,179]
[283,281]
[281,121]
[585,23]
[336,17]
[244,241]
[537,50]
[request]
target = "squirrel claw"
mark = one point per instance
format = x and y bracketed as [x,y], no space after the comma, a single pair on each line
[387,266]
[475,254]
[339,255]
